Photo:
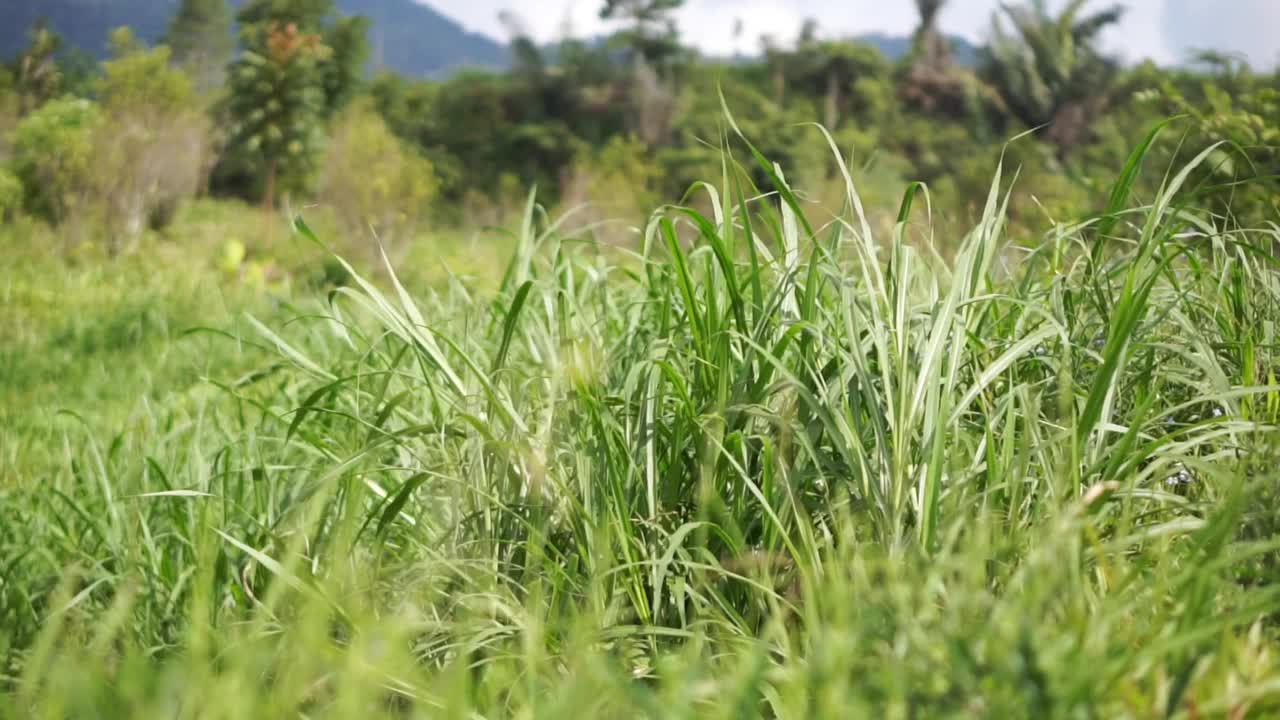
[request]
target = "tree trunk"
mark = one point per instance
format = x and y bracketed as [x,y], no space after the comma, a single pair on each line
[269,199]
[1071,127]
[833,101]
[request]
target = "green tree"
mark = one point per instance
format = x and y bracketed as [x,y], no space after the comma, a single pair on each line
[346,38]
[348,41]
[201,41]
[929,48]
[155,138]
[37,76]
[931,83]
[135,78]
[53,156]
[372,179]
[1049,71]
[652,32]
[276,105]
[653,43]
[830,69]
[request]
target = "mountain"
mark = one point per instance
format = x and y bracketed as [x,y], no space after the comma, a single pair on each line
[418,40]
[896,47]
[407,37]
[83,24]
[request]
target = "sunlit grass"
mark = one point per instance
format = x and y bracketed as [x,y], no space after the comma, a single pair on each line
[758,467]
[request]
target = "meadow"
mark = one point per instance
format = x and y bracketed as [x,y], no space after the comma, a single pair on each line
[769,459]
[604,382]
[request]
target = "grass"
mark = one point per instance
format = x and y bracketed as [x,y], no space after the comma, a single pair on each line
[769,465]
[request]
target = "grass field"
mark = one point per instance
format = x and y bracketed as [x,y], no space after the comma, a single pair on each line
[768,464]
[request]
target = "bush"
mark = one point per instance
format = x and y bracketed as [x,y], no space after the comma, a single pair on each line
[373,180]
[10,194]
[616,181]
[155,147]
[53,151]
[127,161]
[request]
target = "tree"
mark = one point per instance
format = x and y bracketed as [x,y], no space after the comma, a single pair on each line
[155,138]
[929,49]
[830,68]
[346,38]
[53,156]
[372,179]
[348,41]
[38,79]
[652,34]
[931,82]
[201,41]
[653,42]
[276,104]
[1050,72]
[527,61]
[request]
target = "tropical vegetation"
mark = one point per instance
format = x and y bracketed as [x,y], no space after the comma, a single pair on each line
[628,382]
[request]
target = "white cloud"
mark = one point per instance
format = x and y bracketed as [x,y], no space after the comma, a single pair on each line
[1165,30]
[1247,27]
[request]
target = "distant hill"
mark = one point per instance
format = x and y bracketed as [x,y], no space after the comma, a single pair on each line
[896,47]
[82,23]
[416,39]
[407,37]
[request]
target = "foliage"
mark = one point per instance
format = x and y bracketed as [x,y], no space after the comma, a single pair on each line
[344,37]
[10,194]
[153,149]
[1050,72]
[200,38]
[375,181]
[837,71]
[275,104]
[929,49]
[652,35]
[1238,110]
[613,187]
[799,444]
[138,78]
[348,42]
[55,183]
[769,463]
[37,77]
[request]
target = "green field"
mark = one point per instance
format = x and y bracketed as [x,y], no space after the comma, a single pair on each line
[769,461]
[849,376]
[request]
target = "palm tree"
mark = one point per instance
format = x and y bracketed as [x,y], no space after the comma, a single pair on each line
[930,49]
[38,77]
[931,83]
[1049,71]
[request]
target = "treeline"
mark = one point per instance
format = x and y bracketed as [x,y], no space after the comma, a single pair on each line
[287,113]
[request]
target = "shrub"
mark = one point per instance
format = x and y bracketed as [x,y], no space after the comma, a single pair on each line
[53,151]
[616,181]
[10,194]
[155,147]
[1239,112]
[373,180]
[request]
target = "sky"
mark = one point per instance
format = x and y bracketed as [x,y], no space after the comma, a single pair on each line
[1164,30]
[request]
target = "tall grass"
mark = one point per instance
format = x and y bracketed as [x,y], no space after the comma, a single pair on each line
[771,465]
